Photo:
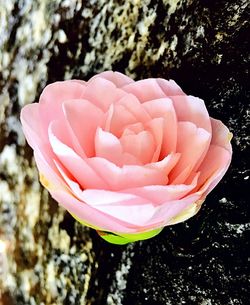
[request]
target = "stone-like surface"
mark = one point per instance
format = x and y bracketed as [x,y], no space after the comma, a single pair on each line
[201,44]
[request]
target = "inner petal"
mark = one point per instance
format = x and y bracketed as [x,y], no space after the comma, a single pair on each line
[132,104]
[108,146]
[165,165]
[133,129]
[140,145]
[163,108]
[83,118]
[78,167]
[130,176]
[117,118]
[156,127]
[192,143]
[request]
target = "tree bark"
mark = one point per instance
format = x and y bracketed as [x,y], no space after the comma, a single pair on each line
[50,258]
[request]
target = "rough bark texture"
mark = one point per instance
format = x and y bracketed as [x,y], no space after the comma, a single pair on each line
[51,259]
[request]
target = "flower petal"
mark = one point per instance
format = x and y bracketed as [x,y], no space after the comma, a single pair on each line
[141,146]
[137,212]
[83,118]
[169,87]
[170,209]
[49,175]
[102,93]
[156,127]
[130,176]
[213,168]
[32,128]
[145,90]
[221,135]
[160,194]
[108,146]
[79,81]
[78,167]
[192,143]
[132,104]
[185,214]
[165,165]
[90,215]
[118,118]
[54,95]
[133,129]
[192,109]
[111,203]
[163,108]
[117,78]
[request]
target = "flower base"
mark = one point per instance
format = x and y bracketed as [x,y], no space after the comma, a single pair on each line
[122,239]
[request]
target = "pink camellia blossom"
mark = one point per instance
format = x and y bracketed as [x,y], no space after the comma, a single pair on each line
[123,156]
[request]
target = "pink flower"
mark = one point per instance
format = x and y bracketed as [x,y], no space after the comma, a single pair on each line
[123,156]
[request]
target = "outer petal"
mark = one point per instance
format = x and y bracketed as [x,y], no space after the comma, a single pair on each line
[170,209]
[79,81]
[192,109]
[145,90]
[125,207]
[54,95]
[38,140]
[117,207]
[159,194]
[221,135]
[49,175]
[169,87]
[32,128]
[102,93]
[90,215]
[192,143]
[213,168]
[122,206]
[187,213]
[117,78]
